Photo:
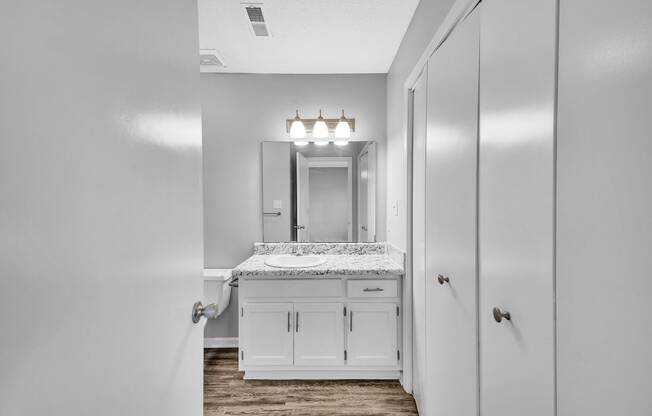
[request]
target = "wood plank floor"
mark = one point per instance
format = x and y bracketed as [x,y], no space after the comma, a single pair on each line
[226,393]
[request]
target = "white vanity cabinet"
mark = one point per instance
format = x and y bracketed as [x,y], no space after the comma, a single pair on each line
[270,324]
[318,334]
[372,334]
[320,328]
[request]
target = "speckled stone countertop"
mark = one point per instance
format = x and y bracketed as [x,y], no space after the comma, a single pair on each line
[344,259]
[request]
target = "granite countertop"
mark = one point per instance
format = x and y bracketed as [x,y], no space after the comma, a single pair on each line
[372,265]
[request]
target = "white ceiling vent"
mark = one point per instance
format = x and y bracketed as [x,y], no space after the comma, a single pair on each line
[210,60]
[256,19]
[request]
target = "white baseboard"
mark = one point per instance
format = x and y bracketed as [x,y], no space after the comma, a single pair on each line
[221,342]
[321,375]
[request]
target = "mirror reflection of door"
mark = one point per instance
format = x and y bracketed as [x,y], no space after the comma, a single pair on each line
[303,199]
[324,199]
[367,193]
[363,185]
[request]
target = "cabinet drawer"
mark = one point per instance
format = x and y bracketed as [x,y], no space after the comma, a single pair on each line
[291,288]
[372,288]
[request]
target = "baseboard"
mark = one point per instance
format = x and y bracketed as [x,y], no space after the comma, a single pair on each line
[321,375]
[221,342]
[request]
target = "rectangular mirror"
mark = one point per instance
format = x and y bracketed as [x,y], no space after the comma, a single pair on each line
[317,193]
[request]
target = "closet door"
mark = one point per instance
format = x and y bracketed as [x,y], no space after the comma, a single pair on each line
[451,212]
[516,206]
[604,226]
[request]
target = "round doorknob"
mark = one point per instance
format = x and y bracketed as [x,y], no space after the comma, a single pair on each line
[199,310]
[499,315]
[443,279]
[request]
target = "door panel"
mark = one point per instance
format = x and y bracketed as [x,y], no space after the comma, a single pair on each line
[372,334]
[516,206]
[604,227]
[100,209]
[420,379]
[319,334]
[266,334]
[451,207]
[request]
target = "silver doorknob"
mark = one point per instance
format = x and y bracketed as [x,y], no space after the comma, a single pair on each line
[499,315]
[199,310]
[443,279]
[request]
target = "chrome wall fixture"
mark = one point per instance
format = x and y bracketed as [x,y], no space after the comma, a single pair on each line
[320,129]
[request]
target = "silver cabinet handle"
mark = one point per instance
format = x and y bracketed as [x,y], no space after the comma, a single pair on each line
[299,227]
[276,213]
[296,322]
[499,315]
[288,321]
[373,289]
[443,279]
[351,321]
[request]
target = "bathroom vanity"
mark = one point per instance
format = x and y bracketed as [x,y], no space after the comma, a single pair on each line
[338,320]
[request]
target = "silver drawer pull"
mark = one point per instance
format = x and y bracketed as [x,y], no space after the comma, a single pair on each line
[374,289]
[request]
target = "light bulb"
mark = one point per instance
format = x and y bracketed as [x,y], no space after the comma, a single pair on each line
[320,129]
[342,130]
[297,129]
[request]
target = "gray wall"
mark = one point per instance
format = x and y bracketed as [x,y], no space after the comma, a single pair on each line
[239,111]
[425,22]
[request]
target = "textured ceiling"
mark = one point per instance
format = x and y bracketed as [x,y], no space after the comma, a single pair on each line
[308,36]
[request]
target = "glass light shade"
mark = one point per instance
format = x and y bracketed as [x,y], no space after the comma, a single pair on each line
[341,142]
[297,129]
[320,129]
[343,129]
[300,143]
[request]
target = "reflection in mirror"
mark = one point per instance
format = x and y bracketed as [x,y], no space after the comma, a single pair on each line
[317,193]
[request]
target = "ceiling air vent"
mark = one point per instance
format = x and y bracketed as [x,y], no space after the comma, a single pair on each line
[256,19]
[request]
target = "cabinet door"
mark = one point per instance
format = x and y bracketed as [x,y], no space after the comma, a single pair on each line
[451,207]
[319,334]
[372,334]
[266,334]
[516,206]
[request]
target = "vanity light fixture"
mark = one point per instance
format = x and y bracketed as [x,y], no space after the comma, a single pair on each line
[342,131]
[298,130]
[320,131]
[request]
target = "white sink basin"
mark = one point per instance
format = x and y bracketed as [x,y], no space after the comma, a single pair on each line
[294,262]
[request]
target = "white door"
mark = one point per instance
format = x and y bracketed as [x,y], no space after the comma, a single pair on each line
[266,334]
[363,197]
[303,199]
[451,275]
[372,334]
[604,226]
[419,241]
[318,334]
[516,206]
[101,250]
